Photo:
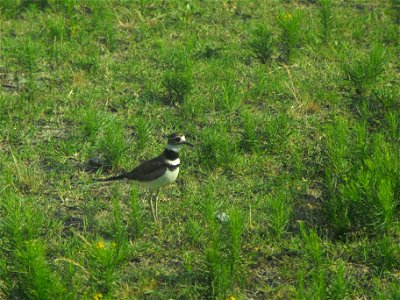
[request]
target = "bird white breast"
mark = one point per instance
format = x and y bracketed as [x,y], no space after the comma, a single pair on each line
[167,178]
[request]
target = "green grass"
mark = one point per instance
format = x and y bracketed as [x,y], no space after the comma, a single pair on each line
[293,107]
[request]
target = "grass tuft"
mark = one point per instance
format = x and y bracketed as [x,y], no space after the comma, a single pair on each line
[326,18]
[262,43]
[363,72]
[112,143]
[289,25]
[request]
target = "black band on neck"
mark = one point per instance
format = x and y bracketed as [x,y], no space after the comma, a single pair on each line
[170,154]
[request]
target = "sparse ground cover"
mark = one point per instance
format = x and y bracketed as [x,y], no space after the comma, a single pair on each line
[294,110]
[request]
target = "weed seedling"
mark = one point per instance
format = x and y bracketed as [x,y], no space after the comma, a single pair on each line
[289,25]
[112,143]
[262,43]
[223,253]
[104,261]
[136,221]
[217,148]
[251,135]
[230,98]
[363,72]
[326,19]
[178,80]
[279,212]
[142,133]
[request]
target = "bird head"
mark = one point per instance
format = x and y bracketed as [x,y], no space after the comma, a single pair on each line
[176,141]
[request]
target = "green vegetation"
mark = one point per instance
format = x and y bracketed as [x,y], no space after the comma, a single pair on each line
[291,192]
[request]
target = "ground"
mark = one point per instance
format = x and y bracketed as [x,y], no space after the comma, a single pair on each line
[293,107]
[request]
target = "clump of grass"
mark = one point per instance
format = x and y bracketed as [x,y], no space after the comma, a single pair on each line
[377,106]
[278,212]
[217,148]
[112,143]
[178,80]
[229,99]
[321,283]
[9,7]
[222,255]
[317,276]
[118,230]
[339,284]
[186,14]
[28,55]
[312,248]
[262,43]
[136,225]
[326,19]
[36,277]
[89,58]
[276,131]
[195,232]
[392,120]
[360,183]
[31,275]
[260,88]
[26,176]
[39,4]
[362,73]
[92,122]
[104,261]
[142,133]
[57,29]
[394,291]
[396,10]
[21,221]
[178,84]
[289,25]
[251,131]
[103,22]
[382,253]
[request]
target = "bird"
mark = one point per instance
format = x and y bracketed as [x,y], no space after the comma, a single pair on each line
[157,172]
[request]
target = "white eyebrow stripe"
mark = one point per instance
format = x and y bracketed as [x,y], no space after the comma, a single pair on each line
[175,162]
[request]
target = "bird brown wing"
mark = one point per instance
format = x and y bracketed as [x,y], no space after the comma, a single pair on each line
[148,170]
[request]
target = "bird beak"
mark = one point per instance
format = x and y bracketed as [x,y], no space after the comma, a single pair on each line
[187,143]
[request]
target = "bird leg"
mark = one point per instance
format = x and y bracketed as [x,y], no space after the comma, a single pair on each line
[151,205]
[158,191]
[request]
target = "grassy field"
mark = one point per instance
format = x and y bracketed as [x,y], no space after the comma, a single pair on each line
[293,107]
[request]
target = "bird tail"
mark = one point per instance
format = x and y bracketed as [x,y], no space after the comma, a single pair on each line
[118,177]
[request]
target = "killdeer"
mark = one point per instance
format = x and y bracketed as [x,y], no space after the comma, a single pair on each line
[157,172]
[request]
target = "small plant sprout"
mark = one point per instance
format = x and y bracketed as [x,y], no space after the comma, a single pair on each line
[289,24]
[279,212]
[326,18]
[363,72]
[223,253]
[142,133]
[217,149]
[178,84]
[251,132]
[136,222]
[178,79]
[230,96]
[312,247]
[112,143]
[262,43]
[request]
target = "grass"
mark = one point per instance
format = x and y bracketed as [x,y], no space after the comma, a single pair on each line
[291,191]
